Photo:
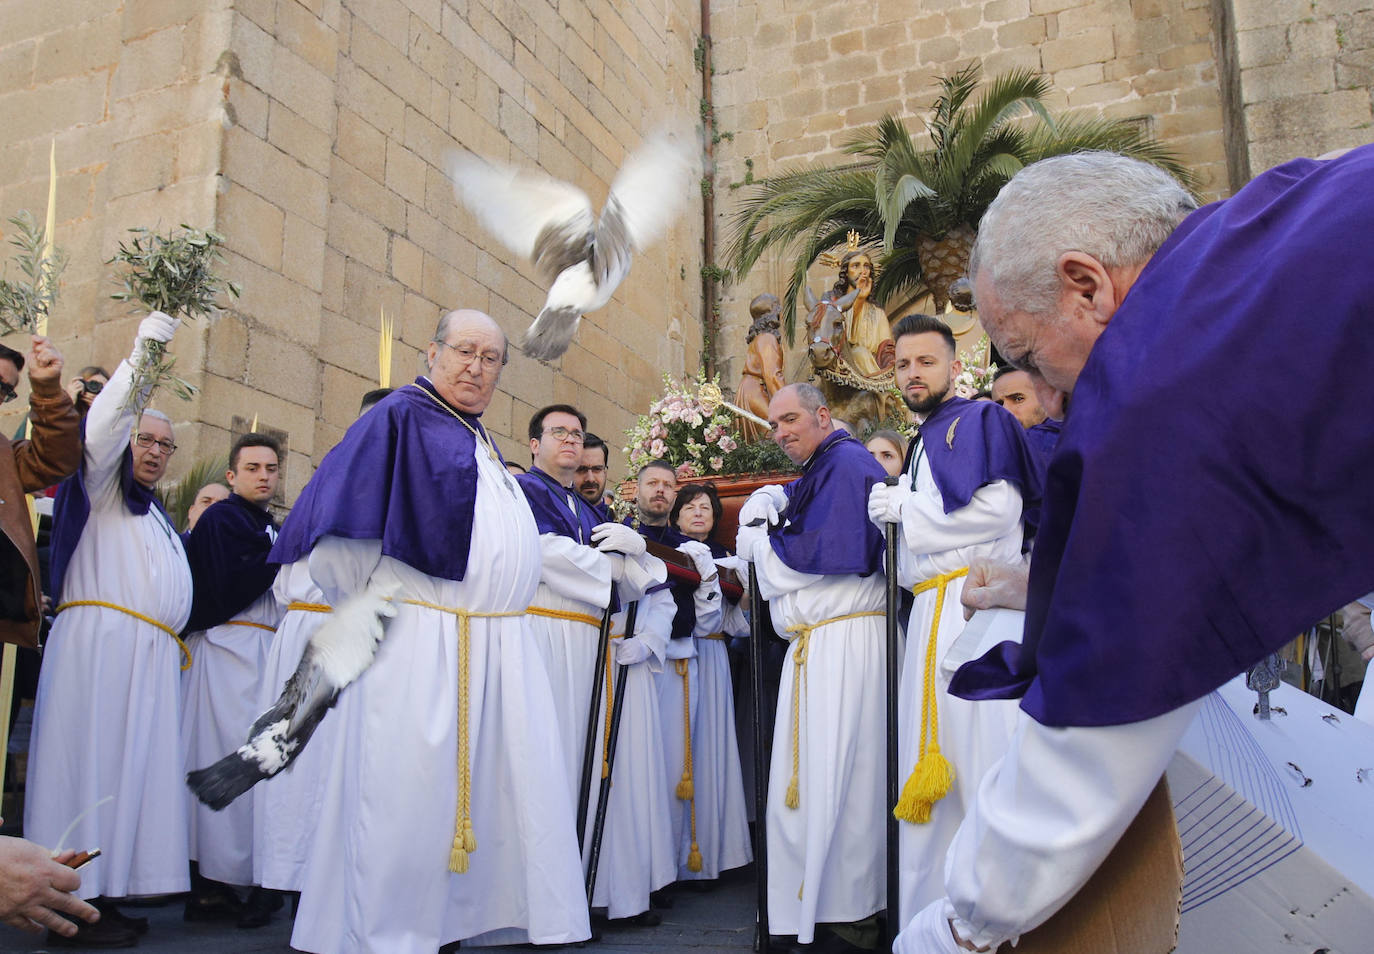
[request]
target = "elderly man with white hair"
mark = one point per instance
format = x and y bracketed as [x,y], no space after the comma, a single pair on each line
[1184,536]
[106,719]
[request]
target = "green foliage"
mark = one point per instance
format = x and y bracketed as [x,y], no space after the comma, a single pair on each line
[178,495]
[895,192]
[760,457]
[24,302]
[173,274]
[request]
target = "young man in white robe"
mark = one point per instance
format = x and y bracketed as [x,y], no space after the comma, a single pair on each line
[820,568]
[438,822]
[958,499]
[105,748]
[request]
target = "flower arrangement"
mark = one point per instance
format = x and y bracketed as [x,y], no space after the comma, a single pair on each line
[689,426]
[977,372]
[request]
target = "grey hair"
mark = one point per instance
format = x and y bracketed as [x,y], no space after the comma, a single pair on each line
[157,415]
[446,320]
[1116,209]
[809,396]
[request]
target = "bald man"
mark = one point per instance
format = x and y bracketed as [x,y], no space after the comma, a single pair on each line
[442,818]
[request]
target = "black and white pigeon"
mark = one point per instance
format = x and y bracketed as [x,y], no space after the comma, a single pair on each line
[580,257]
[339,652]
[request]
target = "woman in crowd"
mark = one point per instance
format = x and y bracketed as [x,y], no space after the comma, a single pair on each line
[716,837]
[887,448]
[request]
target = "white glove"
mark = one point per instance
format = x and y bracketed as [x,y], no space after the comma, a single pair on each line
[885,502]
[617,562]
[766,502]
[747,539]
[156,327]
[345,644]
[617,537]
[630,652]
[703,560]
[928,933]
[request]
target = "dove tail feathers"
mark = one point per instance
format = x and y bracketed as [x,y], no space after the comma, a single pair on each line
[551,333]
[224,781]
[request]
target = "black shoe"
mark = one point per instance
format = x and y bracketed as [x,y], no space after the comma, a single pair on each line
[661,899]
[100,934]
[650,918]
[112,915]
[213,904]
[258,909]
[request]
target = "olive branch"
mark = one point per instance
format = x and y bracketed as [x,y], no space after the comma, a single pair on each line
[24,302]
[173,274]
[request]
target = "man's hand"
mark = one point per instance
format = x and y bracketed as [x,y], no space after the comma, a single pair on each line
[631,652]
[747,539]
[44,361]
[766,502]
[885,502]
[617,538]
[994,584]
[156,327]
[34,887]
[702,559]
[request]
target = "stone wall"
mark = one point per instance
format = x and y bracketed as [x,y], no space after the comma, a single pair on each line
[312,134]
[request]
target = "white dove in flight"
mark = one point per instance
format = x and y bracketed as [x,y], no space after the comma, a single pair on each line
[581,258]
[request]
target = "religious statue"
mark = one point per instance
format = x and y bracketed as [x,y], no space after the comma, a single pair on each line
[762,376]
[868,348]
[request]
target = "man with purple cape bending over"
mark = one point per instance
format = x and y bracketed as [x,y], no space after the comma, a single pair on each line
[820,568]
[438,822]
[1183,536]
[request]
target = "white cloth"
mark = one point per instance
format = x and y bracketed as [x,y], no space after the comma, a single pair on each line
[219,701]
[1044,819]
[376,879]
[637,855]
[972,736]
[286,807]
[826,857]
[722,824]
[106,718]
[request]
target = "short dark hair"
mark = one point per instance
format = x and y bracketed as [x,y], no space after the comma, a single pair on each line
[1002,371]
[537,421]
[660,463]
[921,324]
[595,443]
[686,494]
[372,397]
[12,356]
[253,439]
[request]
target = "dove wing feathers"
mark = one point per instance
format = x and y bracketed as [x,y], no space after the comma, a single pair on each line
[650,189]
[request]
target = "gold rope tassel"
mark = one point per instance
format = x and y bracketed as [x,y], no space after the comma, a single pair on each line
[793,797]
[686,789]
[606,734]
[931,778]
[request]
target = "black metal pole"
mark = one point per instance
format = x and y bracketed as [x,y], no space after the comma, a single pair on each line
[894,890]
[756,636]
[584,788]
[617,706]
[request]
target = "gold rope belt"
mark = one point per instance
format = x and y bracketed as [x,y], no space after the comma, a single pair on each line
[606,732]
[802,632]
[566,615]
[686,789]
[715,636]
[244,622]
[309,607]
[464,838]
[185,653]
[931,778]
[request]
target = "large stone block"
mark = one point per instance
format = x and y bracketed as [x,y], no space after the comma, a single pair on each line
[251,226]
[302,252]
[304,33]
[303,141]
[1091,46]
[79,47]
[1293,78]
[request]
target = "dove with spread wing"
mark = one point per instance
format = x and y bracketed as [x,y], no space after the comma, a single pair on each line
[580,257]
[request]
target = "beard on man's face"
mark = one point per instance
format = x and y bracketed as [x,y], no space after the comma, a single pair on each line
[930,402]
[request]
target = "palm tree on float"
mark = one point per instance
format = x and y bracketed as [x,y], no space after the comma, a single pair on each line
[922,205]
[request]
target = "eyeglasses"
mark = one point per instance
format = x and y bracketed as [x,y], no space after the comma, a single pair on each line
[148,440]
[563,434]
[468,354]
[7,392]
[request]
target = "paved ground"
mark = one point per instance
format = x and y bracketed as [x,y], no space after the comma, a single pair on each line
[719,920]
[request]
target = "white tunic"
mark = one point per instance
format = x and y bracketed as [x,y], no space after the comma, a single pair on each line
[377,879]
[972,736]
[286,806]
[219,702]
[826,857]
[637,853]
[106,719]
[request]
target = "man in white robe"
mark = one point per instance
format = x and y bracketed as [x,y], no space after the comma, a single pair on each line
[105,747]
[438,822]
[821,571]
[959,499]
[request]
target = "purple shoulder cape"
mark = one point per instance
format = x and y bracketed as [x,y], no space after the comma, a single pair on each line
[403,474]
[227,552]
[1209,498]
[72,508]
[549,502]
[825,528]
[970,444]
